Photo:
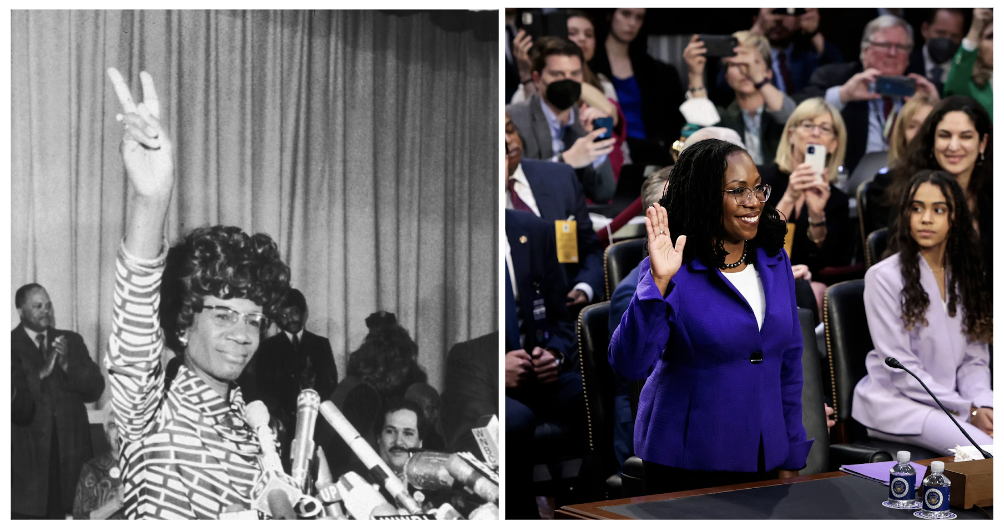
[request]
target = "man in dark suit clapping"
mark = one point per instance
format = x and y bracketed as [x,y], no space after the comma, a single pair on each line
[50,445]
[289,362]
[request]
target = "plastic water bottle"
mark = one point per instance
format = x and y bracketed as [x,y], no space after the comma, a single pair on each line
[902,483]
[935,493]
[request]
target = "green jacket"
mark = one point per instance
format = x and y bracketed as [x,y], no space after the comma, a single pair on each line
[960,80]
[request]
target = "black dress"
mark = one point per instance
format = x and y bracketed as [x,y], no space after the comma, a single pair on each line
[836,249]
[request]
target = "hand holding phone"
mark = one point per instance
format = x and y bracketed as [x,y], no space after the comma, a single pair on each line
[719,45]
[604,122]
[895,86]
[815,155]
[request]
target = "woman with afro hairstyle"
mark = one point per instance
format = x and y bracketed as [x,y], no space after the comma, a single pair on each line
[187,451]
[927,307]
[714,327]
[387,360]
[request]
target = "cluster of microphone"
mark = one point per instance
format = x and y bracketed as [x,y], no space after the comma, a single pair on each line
[297,495]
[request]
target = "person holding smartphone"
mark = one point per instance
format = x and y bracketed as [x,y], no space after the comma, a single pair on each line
[805,195]
[759,110]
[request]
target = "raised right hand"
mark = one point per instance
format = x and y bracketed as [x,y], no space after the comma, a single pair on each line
[857,88]
[518,366]
[147,151]
[585,151]
[665,259]
[693,54]
[521,45]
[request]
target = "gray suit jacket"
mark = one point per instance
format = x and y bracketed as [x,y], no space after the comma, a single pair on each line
[597,183]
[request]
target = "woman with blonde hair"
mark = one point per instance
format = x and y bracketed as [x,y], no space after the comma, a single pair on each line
[810,201]
[908,123]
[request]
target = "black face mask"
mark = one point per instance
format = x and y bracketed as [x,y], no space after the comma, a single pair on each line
[563,94]
[941,49]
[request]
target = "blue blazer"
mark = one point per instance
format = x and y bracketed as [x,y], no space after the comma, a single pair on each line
[535,265]
[705,405]
[558,194]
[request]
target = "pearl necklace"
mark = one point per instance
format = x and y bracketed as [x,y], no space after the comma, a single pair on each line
[737,263]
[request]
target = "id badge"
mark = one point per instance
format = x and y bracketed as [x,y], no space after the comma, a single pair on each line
[566,238]
[789,238]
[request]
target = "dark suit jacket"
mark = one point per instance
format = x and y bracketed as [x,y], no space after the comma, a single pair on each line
[471,391]
[535,263]
[770,131]
[917,66]
[855,114]
[558,196]
[277,379]
[22,402]
[59,405]
[598,183]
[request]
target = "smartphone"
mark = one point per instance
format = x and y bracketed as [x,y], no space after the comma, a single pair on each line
[538,24]
[815,154]
[895,86]
[719,45]
[607,122]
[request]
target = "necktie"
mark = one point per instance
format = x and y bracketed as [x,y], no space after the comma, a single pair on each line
[296,344]
[517,203]
[511,319]
[782,65]
[936,73]
[41,345]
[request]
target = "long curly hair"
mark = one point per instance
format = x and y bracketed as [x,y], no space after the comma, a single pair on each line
[920,151]
[693,203]
[387,358]
[963,257]
[224,262]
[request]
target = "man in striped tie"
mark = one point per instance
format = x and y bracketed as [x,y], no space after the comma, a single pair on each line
[59,377]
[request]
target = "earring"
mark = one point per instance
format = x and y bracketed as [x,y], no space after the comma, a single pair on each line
[183,341]
[982,156]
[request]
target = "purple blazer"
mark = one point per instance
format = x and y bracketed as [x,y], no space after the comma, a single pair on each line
[955,369]
[705,405]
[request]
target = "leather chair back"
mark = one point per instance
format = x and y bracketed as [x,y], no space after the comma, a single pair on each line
[813,412]
[847,344]
[619,259]
[597,387]
[867,167]
[875,246]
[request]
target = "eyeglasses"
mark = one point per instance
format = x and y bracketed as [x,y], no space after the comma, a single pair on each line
[888,47]
[808,127]
[743,195]
[227,317]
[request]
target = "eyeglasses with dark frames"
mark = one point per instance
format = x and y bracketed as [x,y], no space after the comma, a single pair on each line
[743,195]
[228,317]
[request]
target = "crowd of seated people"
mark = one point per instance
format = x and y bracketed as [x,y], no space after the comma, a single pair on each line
[784,93]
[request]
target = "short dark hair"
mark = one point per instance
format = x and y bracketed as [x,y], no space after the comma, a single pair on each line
[219,261]
[693,203]
[396,404]
[294,298]
[932,14]
[22,293]
[549,45]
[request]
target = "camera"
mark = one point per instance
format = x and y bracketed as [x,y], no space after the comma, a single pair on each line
[812,150]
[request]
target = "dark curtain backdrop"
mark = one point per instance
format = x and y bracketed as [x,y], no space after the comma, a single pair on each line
[365,143]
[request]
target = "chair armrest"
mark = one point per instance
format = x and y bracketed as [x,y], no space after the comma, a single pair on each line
[844,453]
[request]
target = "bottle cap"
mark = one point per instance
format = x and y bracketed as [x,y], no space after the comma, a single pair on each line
[903,456]
[937,467]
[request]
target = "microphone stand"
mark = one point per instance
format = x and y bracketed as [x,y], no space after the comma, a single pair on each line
[893,363]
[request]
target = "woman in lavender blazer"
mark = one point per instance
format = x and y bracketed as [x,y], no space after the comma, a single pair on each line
[928,307]
[714,328]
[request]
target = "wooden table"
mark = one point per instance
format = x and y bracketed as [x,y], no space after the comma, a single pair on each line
[593,510]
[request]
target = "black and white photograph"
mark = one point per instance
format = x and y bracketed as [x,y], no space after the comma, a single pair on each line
[254,264]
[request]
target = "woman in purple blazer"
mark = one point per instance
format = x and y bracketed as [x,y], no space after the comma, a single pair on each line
[713,325]
[928,307]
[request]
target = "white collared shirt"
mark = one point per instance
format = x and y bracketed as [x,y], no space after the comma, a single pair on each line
[558,132]
[33,334]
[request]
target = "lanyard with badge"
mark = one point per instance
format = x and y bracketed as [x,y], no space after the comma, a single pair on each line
[886,124]
[542,332]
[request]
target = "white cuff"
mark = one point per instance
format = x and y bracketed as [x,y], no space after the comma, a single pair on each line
[968,45]
[585,288]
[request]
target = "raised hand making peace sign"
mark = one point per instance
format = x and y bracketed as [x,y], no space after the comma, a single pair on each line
[146,149]
[665,259]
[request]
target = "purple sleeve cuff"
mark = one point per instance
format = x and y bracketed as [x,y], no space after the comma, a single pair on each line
[797,454]
[647,289]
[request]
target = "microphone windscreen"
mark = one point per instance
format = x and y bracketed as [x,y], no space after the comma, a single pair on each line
[278,503]
[256,414]
[892,362]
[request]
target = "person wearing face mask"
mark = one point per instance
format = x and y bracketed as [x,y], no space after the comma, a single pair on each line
[648,91]
[208,299]
[53,376]
[927,306]
[942,33]
[973,67]
[759,110]
[908,123]
[713,326]
[957,138]
[549,122]
[849,87]
[816,207]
